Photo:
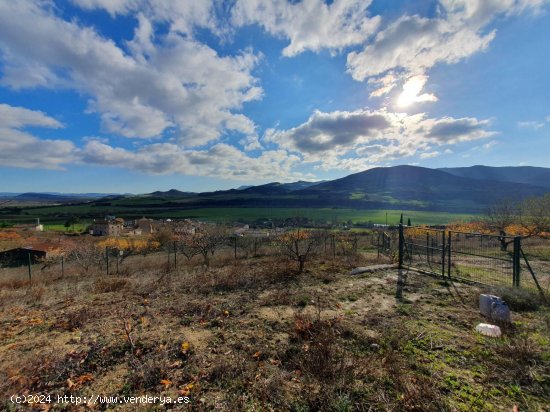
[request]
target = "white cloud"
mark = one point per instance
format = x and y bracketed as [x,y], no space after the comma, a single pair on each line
[413,44]
[448,130]
[221,160]
[177,83]
[490,145]
[331,132]
[429,155]
[362,138]
[310,24]
[21,149]
[411,92]
[531,124]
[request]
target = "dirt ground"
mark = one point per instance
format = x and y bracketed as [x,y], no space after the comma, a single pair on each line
[254,335]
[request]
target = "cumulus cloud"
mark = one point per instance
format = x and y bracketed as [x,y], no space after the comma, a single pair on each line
[450,130]
[221,160]
[21,149]
[331,131]
[429,155]
[177,84]
[362,138]
[310,24]
[413,44]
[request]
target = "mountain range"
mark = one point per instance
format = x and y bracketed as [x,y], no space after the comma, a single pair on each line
[462,189]
[470,189]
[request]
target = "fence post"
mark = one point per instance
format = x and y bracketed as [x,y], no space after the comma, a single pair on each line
[29,263]
[401,245]
[235,246]
[175,256]
[449,250]
[107,258]
[516,267]
[443,254]
[62,266]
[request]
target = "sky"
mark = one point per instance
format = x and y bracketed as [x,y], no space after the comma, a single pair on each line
[133,96]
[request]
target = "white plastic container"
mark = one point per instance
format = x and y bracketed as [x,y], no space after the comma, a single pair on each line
[489,330]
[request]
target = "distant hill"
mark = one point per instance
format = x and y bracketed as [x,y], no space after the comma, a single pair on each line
[398,187]
[170,193]
[536,176]
[421,187]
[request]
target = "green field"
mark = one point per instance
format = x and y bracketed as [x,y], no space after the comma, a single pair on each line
[54,217]
[318,214]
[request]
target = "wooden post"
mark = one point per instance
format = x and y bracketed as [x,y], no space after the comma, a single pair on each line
[62,266]
[107,258]
[29,263]
[235,247]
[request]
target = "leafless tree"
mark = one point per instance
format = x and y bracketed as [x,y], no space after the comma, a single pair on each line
[205,241]
[299,245]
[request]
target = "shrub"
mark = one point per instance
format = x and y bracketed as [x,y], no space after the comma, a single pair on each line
[518,299]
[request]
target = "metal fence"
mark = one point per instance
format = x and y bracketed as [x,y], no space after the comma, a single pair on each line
[474,257]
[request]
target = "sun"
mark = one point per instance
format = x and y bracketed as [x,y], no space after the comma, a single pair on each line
[411,92]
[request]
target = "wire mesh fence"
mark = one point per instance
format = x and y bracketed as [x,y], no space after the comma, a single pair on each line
[495,260]
[481,258]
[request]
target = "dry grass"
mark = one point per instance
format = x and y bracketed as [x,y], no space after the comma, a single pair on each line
[253,334]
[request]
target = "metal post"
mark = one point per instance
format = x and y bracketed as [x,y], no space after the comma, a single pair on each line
[401,245]
[443,254]
[449,255]
[107,258]
[427,247]
[378,245]
[29,263]
[516,261]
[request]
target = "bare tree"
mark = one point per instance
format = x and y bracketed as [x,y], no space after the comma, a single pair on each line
[535,215]
[205,241]
[503,214]
[299,245]
[86,255]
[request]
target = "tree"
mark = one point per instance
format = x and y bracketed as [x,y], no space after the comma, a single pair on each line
[299,245]
[535,215]
[409,222]
[205,241]
[86,255]
[502,214]
[401,219]
[73,220]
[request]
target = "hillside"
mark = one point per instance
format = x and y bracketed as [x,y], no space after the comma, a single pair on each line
[409,188]
[536,176]
[422,188]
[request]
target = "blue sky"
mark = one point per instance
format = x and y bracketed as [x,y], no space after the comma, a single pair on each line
[143,95]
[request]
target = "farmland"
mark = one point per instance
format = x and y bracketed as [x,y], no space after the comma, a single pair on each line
[57,215]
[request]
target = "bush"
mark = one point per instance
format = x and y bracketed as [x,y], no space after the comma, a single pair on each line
[519,300]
